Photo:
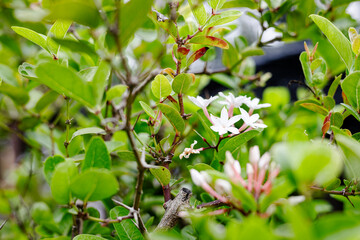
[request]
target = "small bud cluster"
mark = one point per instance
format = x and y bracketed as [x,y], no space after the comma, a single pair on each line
[260,174]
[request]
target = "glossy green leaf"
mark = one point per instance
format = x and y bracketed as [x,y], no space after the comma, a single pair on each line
[65,81]
[88,237]
[62,177]
[115,91]
[223,18]
[148,110]
[333,184]
[336,38]
[162,174]
[28,71]
[160,87]
[96,155]
[200,167]
[173,116]
[81,11]
[355,45]
[31,35]
[351,88]
[234,144]
[57,30]
[94,184]
[50,165]
[329,102]
[182,82]
[17,94]
[251,51]
[315,108]
[126,229]
[352,110]
[210,41]
[199,11]
[99,81]
[132,16]
[89,130]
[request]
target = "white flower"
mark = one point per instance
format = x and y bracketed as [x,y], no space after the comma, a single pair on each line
[187,151]
[223,124]
[231,100]
[222,186]
[197,178]
[295,200]
[201,102]
[254,104]
[252,120]
[231,167]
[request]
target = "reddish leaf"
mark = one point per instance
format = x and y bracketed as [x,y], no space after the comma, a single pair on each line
[210,40]
[196,55]
[315,108]
[183,51]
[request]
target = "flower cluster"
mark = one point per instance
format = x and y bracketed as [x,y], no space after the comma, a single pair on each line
[260,174]
[226,122]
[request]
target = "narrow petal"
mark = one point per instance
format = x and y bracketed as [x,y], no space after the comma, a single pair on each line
[254,154]
[233,130]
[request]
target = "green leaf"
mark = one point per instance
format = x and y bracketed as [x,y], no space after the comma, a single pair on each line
[298,160]
[200,167]
[315,108]
[98,83]
[17,94]
[355,45]
[234,144]
[196,55]
[81,11]
[148,110]
[329,102]
[89,130]
[50,165]
[352,110]
[205,123]
[223,18]
[216,4]
[199,11]
[42,215]
[88,237]
[58,30]
[164,22]
[210,41]
[79,46]
[243,3]
[65,81]
[351,88]
[96,155]
[336,119]
[341,44]
[63,175]
[333,184]
[160,87]
[31,35]
[126,229]
[94,184]
[162,174]
[115,91]
[252,51]
[45,100]
[334,85]
[173,116]
[28,71]
[132,16]
[182,82]
[351,149]
[306,68]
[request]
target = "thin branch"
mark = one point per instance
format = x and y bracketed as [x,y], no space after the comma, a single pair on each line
[343,193]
